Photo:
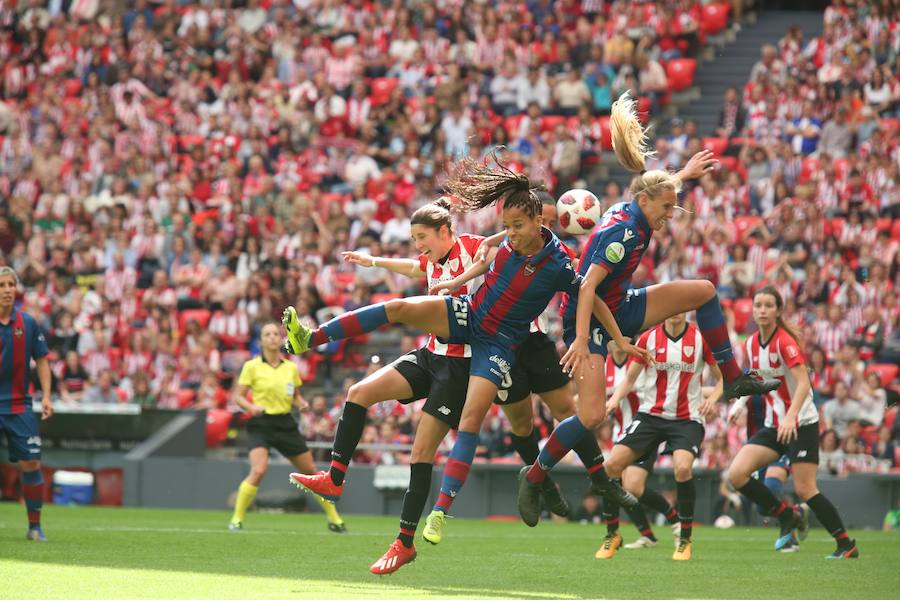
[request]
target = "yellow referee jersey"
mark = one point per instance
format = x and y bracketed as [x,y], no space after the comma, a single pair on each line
[273,387]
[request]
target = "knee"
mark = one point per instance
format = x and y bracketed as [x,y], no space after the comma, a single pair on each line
[421,455]
[682,472]
[805,490]
[359,394]
[593,419]
[257,473]
[738,478]
[521,426]
[636,488]
[707,290]
[396,309]
[29,465]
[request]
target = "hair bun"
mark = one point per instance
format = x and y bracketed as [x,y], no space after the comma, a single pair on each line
[445,202]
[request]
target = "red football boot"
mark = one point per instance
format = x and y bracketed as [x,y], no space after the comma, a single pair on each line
[319,484]
[395,557]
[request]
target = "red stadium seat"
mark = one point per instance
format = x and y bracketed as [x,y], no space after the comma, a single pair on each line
[743,309]
[886,371]
[890,415]
[186,397]
[714,18]
[883,224]
[837,225]
[605,133]
[549,122]
[809,166]
[201,315]
[643,107]
[716,145]
[895,230]
[109,487]
[217,424]
[512,124]
[382,88]
[680,72]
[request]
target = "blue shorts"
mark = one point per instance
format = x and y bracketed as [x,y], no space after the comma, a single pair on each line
[629,318]
[492,355]
[22,436]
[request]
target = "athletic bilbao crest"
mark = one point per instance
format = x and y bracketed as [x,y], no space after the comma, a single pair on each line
[773,358]
[453,263]
[689,351]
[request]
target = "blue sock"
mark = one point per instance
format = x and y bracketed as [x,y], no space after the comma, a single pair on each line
[711,323]
[776,485]
[350,324]
[457,469]
[566,435]
[33,491]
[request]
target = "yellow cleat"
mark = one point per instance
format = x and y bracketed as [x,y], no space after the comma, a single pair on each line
[434,527]
[610,544]
[683,551]
[298,335]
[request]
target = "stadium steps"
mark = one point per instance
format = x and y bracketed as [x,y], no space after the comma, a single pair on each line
[734,61]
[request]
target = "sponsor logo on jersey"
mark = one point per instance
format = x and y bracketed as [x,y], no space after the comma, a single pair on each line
[444,410]
[675,366]
[801,454]
[629,234]
[615,252]
[689,350]
[500,362]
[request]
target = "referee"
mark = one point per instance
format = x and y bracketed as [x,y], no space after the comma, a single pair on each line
[275,384]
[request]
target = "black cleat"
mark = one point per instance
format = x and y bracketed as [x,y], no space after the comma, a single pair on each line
[337,528]
[553,498]
[614,492]
[749,384]
[529,499]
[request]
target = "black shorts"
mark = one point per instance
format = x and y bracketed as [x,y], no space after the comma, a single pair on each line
[536,370]
[277,431]
[443,380]
[647,461]
[804,448]
[646,432]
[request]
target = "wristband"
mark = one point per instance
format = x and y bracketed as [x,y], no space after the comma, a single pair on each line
[373,262]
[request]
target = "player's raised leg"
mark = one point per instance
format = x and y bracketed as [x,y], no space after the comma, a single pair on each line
[385,384]
[668,299]
[426,313]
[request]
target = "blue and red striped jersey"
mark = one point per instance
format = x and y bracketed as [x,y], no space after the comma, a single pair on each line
[517,289]
[20,340]
[617,244]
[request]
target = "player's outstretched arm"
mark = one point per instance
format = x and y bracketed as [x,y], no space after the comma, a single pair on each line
[787,428]
[489,243]
[403,266]
[578,353]
[476,269]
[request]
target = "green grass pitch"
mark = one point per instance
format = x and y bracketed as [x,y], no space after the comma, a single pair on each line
[99,553]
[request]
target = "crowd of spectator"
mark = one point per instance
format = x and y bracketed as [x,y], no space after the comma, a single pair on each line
[173,174]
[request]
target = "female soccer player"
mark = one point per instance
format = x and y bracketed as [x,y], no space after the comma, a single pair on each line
[611,255]
[529,269]
[634,477]
[791,428]
[672,410]
[275,384]
[439,371]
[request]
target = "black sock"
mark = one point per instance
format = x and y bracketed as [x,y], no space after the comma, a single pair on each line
[639,518]
[656,501]
[349,430]
[830,519]
[526,446]
[588,450]
[687,495]
[766,500]
[610,511]
[414,501]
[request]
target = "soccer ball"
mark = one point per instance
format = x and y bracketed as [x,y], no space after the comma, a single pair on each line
[724,522]
[578,211]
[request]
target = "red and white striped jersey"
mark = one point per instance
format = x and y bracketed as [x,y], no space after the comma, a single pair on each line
[774,360]
[458,260]
[671,388]
[615,376]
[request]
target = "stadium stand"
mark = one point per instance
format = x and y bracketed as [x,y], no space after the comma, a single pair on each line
[173,175]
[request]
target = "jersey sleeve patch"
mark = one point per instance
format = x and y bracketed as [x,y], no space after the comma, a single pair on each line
[790,350]
[614,246]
